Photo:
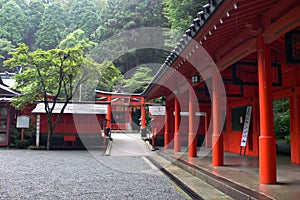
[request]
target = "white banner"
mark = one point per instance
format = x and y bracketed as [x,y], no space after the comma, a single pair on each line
[246,126]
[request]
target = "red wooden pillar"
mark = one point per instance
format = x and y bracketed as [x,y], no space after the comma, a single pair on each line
[217,138]
[267,141]
[108,120]
[295,128]
[192,139]
[108,115]
[177,146]
[143,116]
[167,130]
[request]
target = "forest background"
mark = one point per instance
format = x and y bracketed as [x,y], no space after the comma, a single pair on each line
[49,24]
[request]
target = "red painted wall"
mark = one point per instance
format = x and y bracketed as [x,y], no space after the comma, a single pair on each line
[232,139]
[74,123]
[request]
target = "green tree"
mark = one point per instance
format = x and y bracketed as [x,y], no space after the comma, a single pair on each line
[56,73]
[52,27]
[5,48]
[22,3]
[281,117]
[101,76]
[84,15]
[139,80]
[35,12]
[76,38]
[121,15]
[13,22]
[180,14]
[109,75]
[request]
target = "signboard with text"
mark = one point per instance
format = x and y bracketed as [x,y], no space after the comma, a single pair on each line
[23,121]
[246,126]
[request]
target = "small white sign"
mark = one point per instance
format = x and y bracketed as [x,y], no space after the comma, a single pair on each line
[185,114]
[246,126]
[23,121]
[157,110]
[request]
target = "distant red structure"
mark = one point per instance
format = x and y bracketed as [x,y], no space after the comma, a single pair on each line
[120,109]
[80,120]
[8,114]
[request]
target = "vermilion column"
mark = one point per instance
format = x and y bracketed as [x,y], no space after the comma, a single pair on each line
[143,117]
[177,146]
[295,129]
[217,138]
[108,115]
[267,141]
[192,139]
[167,131]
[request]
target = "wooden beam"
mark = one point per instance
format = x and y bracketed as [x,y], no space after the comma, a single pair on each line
[237,54]
[247,33]
[284,24]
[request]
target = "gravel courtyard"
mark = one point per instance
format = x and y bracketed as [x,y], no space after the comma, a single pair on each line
[31,174]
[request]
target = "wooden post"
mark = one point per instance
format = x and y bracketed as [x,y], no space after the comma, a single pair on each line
[192,138]
[166,134]
[267,141]
[143,117]
[177,146]
[38,124]
[217,139]
[295,128]
[22,135]
[143,113]
[108,116]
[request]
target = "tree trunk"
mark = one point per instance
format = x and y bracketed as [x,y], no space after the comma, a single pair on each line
[49,138]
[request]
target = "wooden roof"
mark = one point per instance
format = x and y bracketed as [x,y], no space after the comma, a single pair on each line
[224,33]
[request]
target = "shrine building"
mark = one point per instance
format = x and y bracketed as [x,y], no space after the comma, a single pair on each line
[233,61]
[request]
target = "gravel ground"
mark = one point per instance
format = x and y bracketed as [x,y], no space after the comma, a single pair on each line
[31,174]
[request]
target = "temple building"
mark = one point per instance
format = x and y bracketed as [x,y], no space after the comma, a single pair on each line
[231,63]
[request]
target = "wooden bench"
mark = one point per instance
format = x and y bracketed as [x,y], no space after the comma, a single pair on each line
[70,138]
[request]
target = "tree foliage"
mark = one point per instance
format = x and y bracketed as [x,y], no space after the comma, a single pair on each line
[121,15]
[35,12]
[49,76]
[139,79]
[52,27]
[101,76]
[5,47]
[109,76]
[181,13]
[76,38]
[13,22]
[84,15]
[281,117]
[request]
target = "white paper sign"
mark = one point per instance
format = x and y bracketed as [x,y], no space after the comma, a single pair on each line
[157,110]
[23,121]
[246,126]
